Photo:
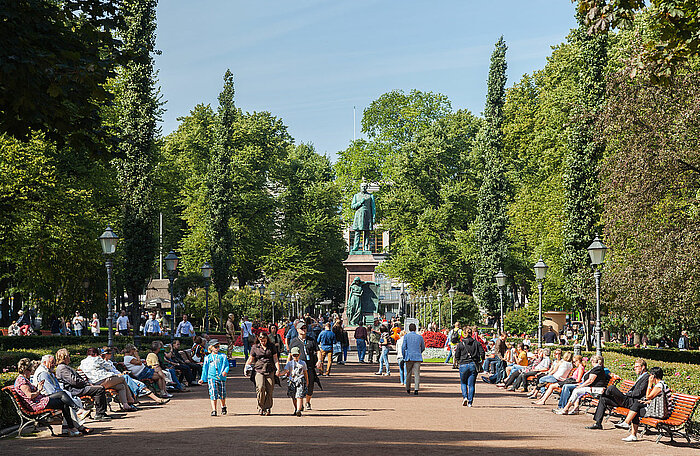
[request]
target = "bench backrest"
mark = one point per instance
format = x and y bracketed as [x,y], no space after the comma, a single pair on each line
[16,400]
[625,386]
[683,405]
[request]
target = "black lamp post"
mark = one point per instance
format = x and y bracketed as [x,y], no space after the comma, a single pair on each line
[206,273]
[430,304]
[452,292]
[272,300]
[597,253]
[261,289]
[108,241]
[540,274]
[501,282]
[439,303]
[171,262]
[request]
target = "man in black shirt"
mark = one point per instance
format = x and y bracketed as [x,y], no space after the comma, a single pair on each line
[551,337]
[310,354]
[613,397]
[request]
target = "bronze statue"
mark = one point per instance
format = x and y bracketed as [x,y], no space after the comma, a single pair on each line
[362,300]
[365,211]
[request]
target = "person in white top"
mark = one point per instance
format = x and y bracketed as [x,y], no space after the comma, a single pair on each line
[100,373]
[123,323]
[246,331]
[185,328]
[559,372]
[95,325]
[399,358]
[78,323]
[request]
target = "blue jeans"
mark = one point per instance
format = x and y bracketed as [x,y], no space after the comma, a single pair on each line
[177,383]
[345,353]
[246,347]
[449,356]
[467,378]
[361,349]
[78,332]
[566,394]
[487,364]
[544,381]
[384,359]
[402,371]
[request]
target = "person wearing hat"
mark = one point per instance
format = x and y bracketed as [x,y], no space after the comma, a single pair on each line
[310,354]
[264,358]
[298,375]
[214,373]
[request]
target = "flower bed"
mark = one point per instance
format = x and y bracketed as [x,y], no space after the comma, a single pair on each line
[434,339]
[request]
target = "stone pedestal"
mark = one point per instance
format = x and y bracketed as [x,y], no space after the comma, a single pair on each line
[358,264]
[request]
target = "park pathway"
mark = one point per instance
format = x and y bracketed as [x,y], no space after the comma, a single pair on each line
[358,413]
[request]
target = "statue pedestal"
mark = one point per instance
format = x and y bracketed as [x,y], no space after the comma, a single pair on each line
[358,264]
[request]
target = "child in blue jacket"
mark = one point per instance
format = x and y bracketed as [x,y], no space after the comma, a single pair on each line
[214,373]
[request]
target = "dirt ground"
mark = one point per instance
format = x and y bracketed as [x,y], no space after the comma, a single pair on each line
[356,413]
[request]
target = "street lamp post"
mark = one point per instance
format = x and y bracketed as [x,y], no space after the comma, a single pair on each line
[451,292]
[597,253]
[439,302]
[261,289]
[272,301]
[171,261]
[501,282]
[430,305]
[206,273]
[540,274]
[108,241]
[296,304]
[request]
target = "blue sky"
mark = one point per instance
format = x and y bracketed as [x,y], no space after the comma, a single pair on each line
[310,61]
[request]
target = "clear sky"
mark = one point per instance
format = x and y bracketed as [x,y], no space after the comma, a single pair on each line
[310,61]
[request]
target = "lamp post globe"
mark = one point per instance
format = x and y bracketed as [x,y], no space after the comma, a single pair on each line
[501,282]
[597,253]
[540,274]
[206,273]
[108,242]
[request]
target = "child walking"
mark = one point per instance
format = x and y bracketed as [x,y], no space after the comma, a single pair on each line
[214,373]
[298,379]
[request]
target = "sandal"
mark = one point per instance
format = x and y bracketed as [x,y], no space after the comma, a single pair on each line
[163,401]
[85,430]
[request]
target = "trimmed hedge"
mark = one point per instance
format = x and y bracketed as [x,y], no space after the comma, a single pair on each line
[21,342]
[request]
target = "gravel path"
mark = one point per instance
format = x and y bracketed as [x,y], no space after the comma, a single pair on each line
[357,413]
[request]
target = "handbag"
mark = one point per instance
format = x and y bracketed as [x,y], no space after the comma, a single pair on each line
[658,407]
[337,348]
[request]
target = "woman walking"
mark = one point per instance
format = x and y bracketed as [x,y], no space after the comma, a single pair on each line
[384,342]
[469,354]
[266,367]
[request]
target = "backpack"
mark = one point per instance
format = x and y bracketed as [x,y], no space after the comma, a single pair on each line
[455,337]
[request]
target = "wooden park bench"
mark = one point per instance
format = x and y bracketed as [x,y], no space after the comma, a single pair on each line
[27,416]
[591,399]
[682,407]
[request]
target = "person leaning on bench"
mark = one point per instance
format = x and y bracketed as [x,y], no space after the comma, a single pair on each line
[612,397]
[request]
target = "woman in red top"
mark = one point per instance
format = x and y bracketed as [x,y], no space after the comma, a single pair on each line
[37,401]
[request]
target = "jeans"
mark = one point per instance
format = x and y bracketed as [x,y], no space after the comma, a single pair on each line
[62,401]
[566,394]
[402,371]
[449,356]
[361,349]
[384,359]
[246,347]
[467,378]
[345,353]
[78,332]
[487,364]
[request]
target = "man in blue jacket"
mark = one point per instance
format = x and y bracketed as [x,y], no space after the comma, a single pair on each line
[412,351]
[325,343]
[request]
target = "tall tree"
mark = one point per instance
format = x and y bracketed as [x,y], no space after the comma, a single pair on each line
[137,108]
[221,192]
[492,215]
[581,207]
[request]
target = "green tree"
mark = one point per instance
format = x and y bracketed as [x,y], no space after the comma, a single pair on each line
[220,192]
[582,207]
[137,109]
[494,191]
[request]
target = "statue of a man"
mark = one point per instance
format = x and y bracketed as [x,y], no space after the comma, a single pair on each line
[355,308]
[363,223]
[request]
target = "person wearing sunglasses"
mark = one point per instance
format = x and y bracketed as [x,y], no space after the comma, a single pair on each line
[310,353]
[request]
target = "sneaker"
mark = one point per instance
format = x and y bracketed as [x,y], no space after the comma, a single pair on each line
[298,413]
[415,392]
[408,391]
[377,373]
[595,427]
[622,425]
[213,413]
[307,406]
[558,411]
[464,402]
[630,438]
[223,410]
[103,417]
[469,405]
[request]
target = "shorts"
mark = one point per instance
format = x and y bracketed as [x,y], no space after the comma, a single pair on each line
[296,391]
[147,372]
[217,389]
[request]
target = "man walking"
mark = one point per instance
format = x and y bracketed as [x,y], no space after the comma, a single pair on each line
[412,351]
[361,341]
[230,335]
[246,332]
[78,323]
[185,328]
[123,323]
[613,397]
[310,354]
[326,340]
[373,342]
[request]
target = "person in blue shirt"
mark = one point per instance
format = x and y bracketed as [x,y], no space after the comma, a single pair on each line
[214,373]
[325,343]
[412,351]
